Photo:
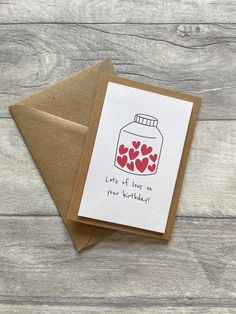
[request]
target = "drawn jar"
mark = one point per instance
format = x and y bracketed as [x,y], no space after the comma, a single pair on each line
[139,146]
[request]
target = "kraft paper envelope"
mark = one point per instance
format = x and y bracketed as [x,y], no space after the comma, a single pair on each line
[54,124]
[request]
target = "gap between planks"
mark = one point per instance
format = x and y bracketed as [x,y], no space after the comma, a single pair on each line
[114,302]
[223,119]
[178,217]
[114,23]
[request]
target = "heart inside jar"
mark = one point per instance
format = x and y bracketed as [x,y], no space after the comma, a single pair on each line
[137,158]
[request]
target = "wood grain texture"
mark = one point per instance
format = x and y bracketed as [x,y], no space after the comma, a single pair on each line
[195,58]
[115,11]
[208,190]
[22,188]
[67,309]
[39,266]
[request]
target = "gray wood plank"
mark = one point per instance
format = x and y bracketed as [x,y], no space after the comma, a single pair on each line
[94,11]
[59,309]
[22,190]
[197,59]
[208,190]
[40,266]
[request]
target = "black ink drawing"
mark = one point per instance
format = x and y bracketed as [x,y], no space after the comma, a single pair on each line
[139,146]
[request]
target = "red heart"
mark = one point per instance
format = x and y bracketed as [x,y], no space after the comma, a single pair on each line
[141,165]
[152,167]
[123,149]
[133,153]
[146,149]
[122,160]
[153,157]
[130,166]
[136,144]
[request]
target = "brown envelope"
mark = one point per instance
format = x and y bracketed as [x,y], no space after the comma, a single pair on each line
[54,124]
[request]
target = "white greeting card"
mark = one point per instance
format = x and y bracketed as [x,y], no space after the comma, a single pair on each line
[135,158]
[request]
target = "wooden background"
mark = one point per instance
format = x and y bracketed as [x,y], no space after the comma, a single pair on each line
[185,45]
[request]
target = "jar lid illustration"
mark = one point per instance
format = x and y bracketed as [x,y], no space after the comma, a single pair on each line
[146,119]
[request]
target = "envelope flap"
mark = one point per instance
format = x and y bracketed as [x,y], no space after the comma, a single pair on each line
[73,97]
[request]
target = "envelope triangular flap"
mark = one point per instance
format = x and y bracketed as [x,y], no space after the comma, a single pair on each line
[73,97]
[54,124]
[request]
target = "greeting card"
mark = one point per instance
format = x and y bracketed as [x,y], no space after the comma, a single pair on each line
[134,158]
